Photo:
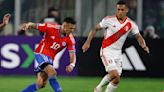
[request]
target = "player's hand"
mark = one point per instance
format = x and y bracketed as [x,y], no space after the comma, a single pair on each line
[146,49]
[6,18]
[25,26]
[85,47]
[69,68]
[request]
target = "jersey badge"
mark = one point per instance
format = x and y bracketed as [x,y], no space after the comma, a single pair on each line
[63,43]
[126,28]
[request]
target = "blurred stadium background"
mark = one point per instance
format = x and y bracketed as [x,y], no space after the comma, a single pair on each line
[141,72]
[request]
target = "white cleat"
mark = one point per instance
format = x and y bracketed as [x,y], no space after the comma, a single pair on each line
[97,90]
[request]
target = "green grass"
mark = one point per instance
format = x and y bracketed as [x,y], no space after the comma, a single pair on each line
[82,84]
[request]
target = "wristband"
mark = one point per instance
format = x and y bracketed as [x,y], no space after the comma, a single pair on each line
[73,65]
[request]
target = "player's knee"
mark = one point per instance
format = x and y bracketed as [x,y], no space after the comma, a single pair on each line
[115,77]
[117,80]
[50,71]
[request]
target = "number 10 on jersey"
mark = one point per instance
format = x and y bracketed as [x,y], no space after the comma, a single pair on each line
[55,46]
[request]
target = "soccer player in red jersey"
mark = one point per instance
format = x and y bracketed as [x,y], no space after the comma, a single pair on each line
[117,28]
[56,38]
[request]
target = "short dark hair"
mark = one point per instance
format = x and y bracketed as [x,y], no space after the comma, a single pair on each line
[122,2]
[69,20]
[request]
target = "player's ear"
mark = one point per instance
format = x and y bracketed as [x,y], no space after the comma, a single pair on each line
[127,8]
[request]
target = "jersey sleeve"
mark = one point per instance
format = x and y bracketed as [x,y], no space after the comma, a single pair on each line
[105,22]
[71,44]
[135,29]
[47,27]
[42,27]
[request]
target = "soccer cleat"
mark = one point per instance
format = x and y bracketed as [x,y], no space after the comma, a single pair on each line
[97,90]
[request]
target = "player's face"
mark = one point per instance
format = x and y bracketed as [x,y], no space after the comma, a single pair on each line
[68,28]
[121,11]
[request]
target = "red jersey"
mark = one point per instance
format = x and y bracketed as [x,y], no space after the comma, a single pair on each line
[53,41]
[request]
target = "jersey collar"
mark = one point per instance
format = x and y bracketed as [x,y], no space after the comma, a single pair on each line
[121,22]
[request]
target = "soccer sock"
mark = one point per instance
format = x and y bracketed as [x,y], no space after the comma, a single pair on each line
[30,88]
[110,88]
[54,84]
[103,82]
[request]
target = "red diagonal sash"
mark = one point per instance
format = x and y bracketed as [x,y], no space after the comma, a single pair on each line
[113,38]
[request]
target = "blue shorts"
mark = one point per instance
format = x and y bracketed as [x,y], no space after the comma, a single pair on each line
[41,61]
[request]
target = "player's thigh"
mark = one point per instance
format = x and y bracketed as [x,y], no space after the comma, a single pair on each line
[119,65]
[111,64]
[41,62]
[49,69]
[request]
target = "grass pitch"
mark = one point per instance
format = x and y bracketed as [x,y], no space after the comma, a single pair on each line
[82,84]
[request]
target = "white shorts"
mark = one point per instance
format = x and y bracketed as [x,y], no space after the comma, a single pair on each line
[112,60]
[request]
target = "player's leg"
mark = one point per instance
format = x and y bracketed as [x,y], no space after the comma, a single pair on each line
[114,71]
[115,79]
[44,63]
[103,82]
[52,78]
[106,79]
[42,80]
[30,88]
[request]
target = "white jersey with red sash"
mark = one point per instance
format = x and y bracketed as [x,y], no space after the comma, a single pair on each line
[116,32]
[115,36]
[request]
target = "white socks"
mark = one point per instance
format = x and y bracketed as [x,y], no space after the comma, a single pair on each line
[110,88]
[103,82]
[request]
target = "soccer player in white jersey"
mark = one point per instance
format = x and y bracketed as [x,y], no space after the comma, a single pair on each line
[117,29]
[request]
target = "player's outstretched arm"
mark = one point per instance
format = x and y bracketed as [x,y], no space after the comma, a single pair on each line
[92,33]
[71,66]
[5,20]
[142,42]
[29,25]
